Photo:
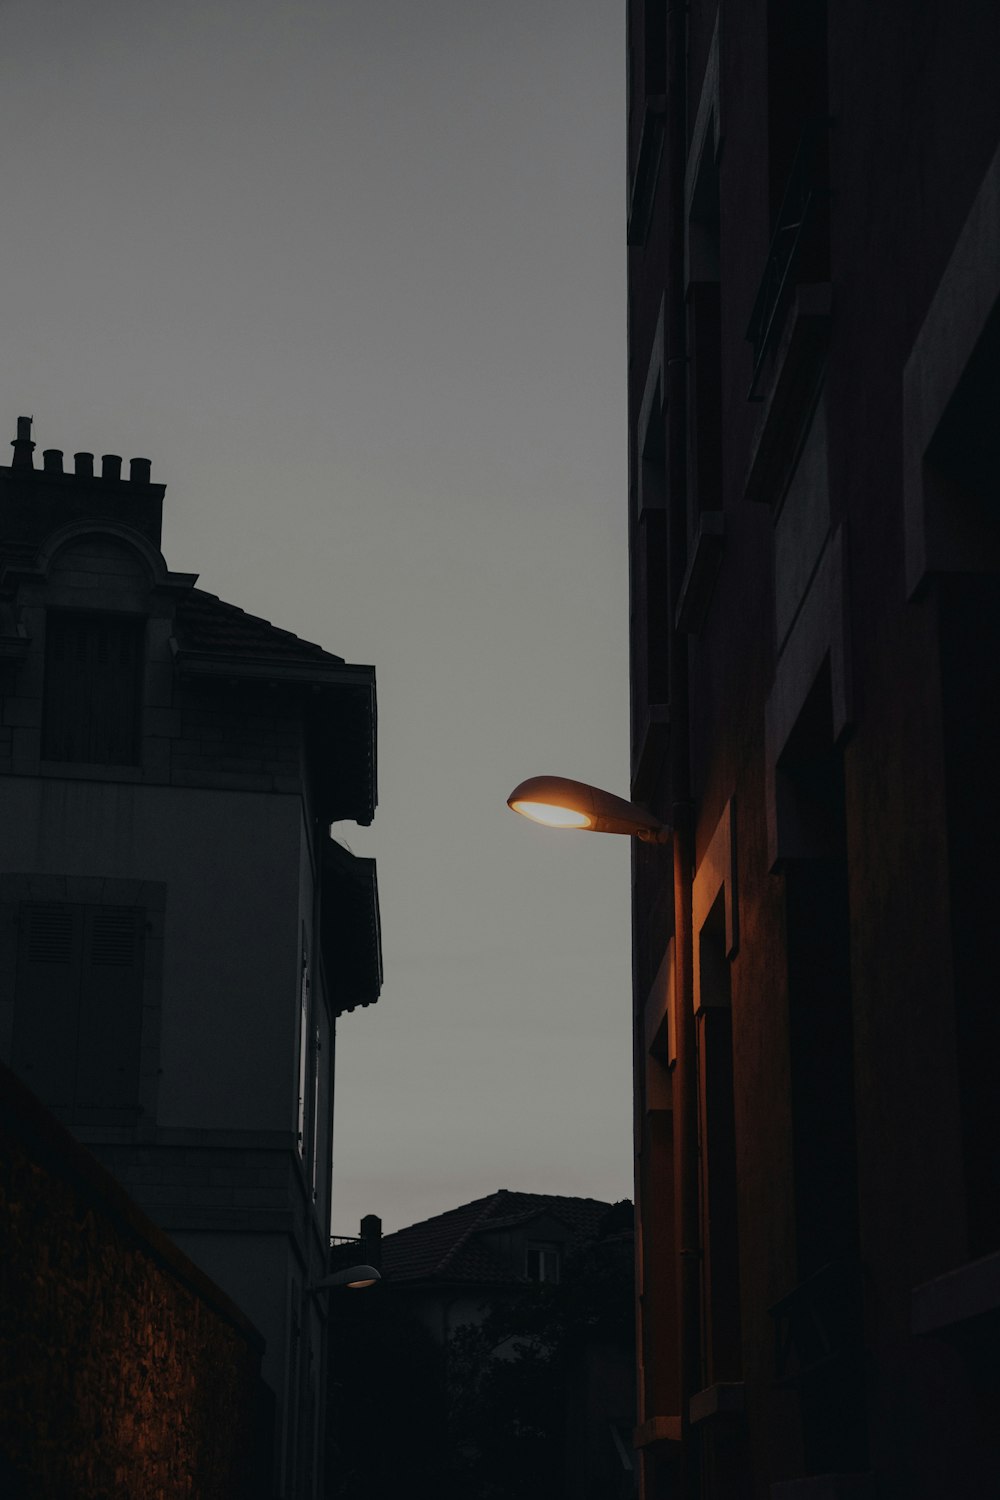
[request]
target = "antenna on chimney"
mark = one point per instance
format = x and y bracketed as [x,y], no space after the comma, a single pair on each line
[22,445]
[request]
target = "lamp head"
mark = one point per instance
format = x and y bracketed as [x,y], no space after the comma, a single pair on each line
[560,803]
[353,1277]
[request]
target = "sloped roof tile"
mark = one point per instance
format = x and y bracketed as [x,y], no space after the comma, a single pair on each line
[204,622]
[450,1247]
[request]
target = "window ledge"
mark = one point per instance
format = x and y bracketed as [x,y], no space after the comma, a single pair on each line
[13,647]
[657,1430]
[89,770]
[723,1400]
[647,170]
[959,1300]
[650,747]
[825,1487]
[702,571]
[794,378]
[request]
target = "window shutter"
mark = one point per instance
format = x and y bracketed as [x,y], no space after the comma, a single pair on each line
[78,1008]
[93,675]
[110,1011]
[46,1011]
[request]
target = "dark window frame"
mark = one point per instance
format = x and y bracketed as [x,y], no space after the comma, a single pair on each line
[79,995]
[92,702]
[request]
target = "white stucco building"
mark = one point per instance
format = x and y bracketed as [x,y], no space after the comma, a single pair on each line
[178,930]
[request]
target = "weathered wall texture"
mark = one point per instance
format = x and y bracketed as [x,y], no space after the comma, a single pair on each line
[123,1370]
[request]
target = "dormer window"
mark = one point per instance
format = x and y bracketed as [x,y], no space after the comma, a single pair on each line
[93,678]
[542,1261]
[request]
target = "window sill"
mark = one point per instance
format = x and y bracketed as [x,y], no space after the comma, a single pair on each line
[702,571]
[825,1487]
[647,170]
[650,748]
[723,1400]
[792,382]
[88,770]
[959,1302]
[657,1430]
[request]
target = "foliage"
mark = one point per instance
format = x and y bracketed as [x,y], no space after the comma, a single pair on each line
[485,1420]
[510,1377]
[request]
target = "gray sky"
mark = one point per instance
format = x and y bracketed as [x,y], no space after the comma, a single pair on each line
[352,275]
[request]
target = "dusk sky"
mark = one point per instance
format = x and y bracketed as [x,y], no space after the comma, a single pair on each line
[352,276]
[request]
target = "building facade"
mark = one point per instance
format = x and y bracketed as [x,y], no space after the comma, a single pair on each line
[179,931]
[814,381]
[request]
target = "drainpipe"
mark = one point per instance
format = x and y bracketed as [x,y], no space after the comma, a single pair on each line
[685,1076]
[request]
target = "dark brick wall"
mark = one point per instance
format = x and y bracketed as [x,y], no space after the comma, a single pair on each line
[123,1370]
[916,125]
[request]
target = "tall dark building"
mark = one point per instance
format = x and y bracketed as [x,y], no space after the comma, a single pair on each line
[814,516]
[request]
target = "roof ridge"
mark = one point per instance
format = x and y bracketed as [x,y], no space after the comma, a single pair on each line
[469,1229]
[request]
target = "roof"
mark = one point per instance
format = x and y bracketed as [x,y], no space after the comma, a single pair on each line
[453,1246]
[214,640]
[204,622]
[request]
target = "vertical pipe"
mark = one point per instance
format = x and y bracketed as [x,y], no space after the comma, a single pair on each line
[685,1081]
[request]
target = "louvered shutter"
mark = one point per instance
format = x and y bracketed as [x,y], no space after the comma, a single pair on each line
[46,1012]
[93,676]
[110,1012]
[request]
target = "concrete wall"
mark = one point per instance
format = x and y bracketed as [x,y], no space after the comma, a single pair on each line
[229,864]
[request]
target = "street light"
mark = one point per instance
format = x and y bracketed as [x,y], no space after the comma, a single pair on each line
[560,803]
[351,1276]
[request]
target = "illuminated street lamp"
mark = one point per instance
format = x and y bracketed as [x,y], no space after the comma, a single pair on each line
[560,803]
[351,1276]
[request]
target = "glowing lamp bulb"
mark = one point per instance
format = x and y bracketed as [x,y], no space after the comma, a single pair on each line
[552,816]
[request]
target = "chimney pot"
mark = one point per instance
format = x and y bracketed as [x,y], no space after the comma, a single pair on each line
[138,470]
[371,1240]
[83,464]
[22,445]
[111,466]
[52,460]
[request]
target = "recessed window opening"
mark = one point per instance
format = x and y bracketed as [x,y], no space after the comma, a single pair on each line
[78,1008]
[965,458]
[704,345]
[542,1262]
[721,1343]
[655,46]
[93,682]
[827,1317]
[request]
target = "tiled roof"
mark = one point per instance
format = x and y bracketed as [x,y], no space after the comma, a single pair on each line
[449,1247]
[204,622]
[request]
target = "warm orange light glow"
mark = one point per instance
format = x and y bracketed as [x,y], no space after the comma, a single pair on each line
[551,816]
[370,1282]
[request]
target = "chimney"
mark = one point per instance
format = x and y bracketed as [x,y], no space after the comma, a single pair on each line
[138,470]
[22,445]
[111,467]
[371,1240]
[83,465]
[52,460]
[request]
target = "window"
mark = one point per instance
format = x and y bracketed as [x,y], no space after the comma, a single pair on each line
[964,460]
[655,46]
[542,1262]
[821,1322]
[78,1008]
[300,1125]
[317,1048]
[93,676]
